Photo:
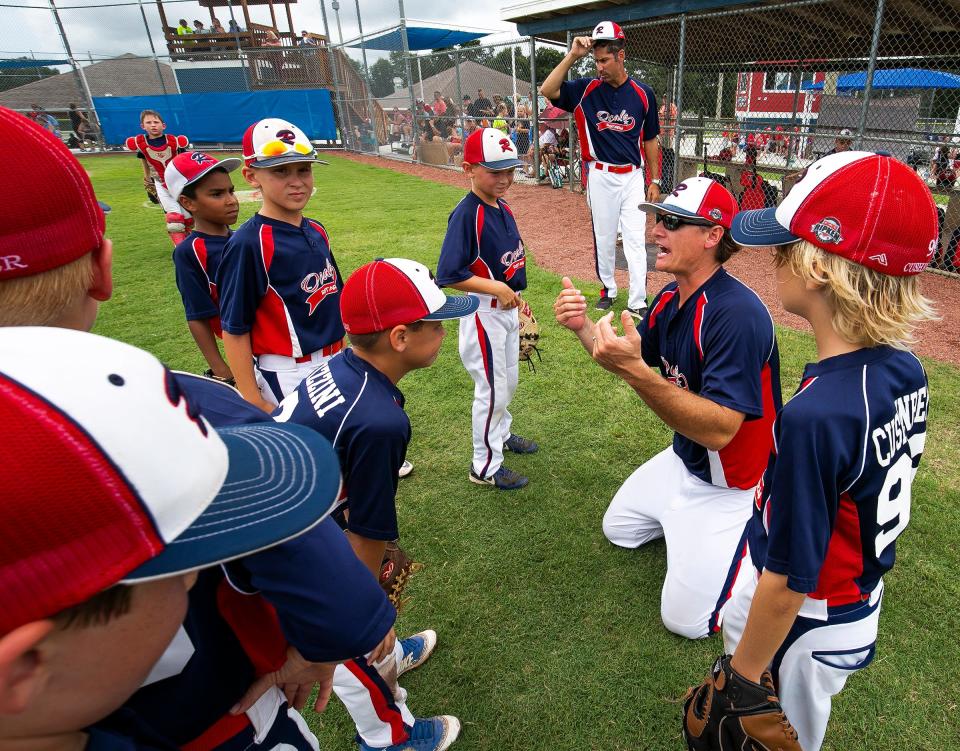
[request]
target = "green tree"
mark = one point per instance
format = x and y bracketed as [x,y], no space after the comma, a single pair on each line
[11,78]
[381,74]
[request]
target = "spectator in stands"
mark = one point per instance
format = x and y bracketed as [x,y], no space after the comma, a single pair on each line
[548,148]
[272,39]
[843,141]
[81,126]
[451,107]
[522,128]
[44,119]
[500,118]
[216,27]
[483,107]
[198,27]
[306,40]
[233,27]
[183,28]
[439,106]
[467,105]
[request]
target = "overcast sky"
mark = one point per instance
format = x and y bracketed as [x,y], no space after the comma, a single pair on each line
[115,30]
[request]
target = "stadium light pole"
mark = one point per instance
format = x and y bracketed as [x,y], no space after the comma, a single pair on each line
[336,12]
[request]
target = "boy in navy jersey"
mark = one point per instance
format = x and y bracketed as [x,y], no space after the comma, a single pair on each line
[850,239]
[483,255]
[156,150]
[202,185]
[278,281]
[104,525]
[394,313]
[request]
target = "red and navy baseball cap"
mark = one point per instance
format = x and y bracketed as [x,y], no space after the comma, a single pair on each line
[190,166]
[491,148]
[273,141]
[51,216]
[869,208]
[607,31]
[393,291]
[698,198]
[112,476]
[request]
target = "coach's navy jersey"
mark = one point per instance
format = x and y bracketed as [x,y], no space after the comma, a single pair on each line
[195,262]
[612,122]
[321,599]
[482,240]
[360,411]
[280,284]
[721,345]
[836,492]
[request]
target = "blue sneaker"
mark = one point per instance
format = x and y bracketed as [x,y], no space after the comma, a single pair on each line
[427,734]
[416,650]
[520,445]
[502,479]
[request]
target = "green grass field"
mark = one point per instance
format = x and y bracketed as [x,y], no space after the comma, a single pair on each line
[550,638]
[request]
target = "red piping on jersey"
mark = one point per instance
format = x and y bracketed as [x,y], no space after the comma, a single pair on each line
[504,205]
[844,560]
[270,334]
[661,304]
[581,121]
[745,457]
[646,109]
[483,341]
[227,727]
[479,266]
[479,225]
[698,323]
[319,228]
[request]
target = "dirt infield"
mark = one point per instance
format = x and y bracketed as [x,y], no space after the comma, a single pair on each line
[556,225]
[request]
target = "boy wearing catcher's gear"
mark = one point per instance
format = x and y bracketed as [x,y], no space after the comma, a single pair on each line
[618,126]
[850,239]
[393,312]
[483,255]
[718,387]
[156,150]
[202,185]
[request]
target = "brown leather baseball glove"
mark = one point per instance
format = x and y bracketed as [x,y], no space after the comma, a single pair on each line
[727,711]
[529,335]
[395,571]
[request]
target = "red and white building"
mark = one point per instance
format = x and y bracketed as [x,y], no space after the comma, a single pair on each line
[770,96]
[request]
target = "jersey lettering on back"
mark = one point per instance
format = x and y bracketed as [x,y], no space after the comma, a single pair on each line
[836,492]
[612,122]
[720,344]
[360,412]
[281,284]
[484,241]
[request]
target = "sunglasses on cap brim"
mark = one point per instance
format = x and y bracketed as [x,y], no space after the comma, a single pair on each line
[673,222]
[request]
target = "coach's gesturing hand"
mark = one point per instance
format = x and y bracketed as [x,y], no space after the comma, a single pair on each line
[619,354]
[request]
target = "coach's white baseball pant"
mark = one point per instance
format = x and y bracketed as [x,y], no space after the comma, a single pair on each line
[824,648]
[490,350]
[705,530]
[614,200]
[376,702]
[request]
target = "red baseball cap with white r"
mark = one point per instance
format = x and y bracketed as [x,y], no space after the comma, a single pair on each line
[51,216]
[491,148]
[607,31]
[394,291]
[701,198]
[190,166]
[869,208]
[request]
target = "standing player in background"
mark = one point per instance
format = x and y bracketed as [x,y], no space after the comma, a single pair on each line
[156,150]
[202,185]
[483,255]
[850,239]
[394,313]
[617,124]
[719,389]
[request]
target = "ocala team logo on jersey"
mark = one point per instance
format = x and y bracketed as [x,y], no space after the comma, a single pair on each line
[620,123]
[827,230]
[674,375]
[318,286]
[513,261]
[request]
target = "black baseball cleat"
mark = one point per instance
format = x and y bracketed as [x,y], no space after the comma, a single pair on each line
[502,479]
[638,313]
[520,445]
[604,303]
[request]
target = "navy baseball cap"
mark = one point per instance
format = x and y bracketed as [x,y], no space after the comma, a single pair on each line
[393,291]
[869,208]
[114,477]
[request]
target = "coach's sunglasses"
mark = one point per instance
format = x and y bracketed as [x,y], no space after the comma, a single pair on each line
[673,222]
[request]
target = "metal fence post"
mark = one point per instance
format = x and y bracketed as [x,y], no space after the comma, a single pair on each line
[338,110]
[406,63]
[793,117]
[463,122]
[871,67]
[366,72]
[80,79]
[534,109]
[570,129]
[680,69]
[153,50]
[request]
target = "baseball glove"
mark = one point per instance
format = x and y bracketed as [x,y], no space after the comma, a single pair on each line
[529,335]
[395,571]
[208,373]
[727,711]
[151,189]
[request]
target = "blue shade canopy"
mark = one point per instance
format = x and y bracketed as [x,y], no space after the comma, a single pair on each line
[21,63]
[418,38]
[895,78]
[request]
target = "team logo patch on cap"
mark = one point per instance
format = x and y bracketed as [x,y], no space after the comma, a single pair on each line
[716,214]
[827,230]
[200,158]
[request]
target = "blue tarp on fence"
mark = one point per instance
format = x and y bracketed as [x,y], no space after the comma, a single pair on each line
[895,78]
[219,117]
